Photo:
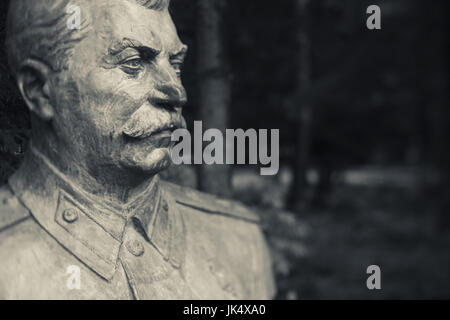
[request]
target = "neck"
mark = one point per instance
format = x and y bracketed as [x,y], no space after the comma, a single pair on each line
[107,184]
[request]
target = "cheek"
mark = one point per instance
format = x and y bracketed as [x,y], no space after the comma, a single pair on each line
[109,99]
[116,82]
[66,100]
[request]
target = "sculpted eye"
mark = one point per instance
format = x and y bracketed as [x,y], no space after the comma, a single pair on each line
[177,65]
[132,66]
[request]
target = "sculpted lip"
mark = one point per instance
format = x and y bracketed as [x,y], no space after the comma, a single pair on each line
[143,131]
[166,130]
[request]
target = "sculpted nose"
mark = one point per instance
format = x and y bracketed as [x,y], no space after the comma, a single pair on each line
[169,97]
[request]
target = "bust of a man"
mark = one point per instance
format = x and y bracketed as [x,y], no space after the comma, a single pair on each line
[86,216]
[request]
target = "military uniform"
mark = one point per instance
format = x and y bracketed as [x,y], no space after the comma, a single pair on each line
[169,243]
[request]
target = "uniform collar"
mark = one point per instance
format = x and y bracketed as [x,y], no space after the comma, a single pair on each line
[89,227]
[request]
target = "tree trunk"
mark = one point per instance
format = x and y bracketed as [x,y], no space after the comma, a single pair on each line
[443,152]
[215,89]
[303,140]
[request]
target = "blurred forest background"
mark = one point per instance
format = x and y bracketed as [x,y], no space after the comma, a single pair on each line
[364,124]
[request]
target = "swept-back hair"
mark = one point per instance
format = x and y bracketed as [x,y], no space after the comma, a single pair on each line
[38,29]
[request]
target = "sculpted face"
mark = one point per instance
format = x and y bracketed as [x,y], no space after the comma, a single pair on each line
[120,97]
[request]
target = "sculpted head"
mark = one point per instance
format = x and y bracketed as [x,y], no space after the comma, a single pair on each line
[104,97]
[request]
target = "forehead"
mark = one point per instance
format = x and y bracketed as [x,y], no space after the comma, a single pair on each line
[113,21]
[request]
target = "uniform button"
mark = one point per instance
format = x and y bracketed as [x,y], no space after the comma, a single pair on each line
[70,215]
[165,205]
[135,247]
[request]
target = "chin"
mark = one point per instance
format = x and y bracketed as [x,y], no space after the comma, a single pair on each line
[148,163]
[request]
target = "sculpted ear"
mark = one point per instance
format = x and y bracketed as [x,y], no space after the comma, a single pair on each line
[33,82]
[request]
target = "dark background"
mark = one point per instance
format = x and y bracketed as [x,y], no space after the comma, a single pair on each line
[364,147]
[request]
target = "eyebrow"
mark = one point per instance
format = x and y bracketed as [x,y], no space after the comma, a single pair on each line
[125,43]
[120,46]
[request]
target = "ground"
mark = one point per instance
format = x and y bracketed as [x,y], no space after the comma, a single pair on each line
[323,253]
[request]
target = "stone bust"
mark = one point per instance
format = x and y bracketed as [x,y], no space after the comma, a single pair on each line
[86,216]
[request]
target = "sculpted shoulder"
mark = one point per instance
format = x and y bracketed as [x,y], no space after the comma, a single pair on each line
[12,212]
[228,235]
[210,204]
[17,229]
[19,233]
[28,254]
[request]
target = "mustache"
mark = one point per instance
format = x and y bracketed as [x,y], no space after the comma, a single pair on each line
[147,121]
